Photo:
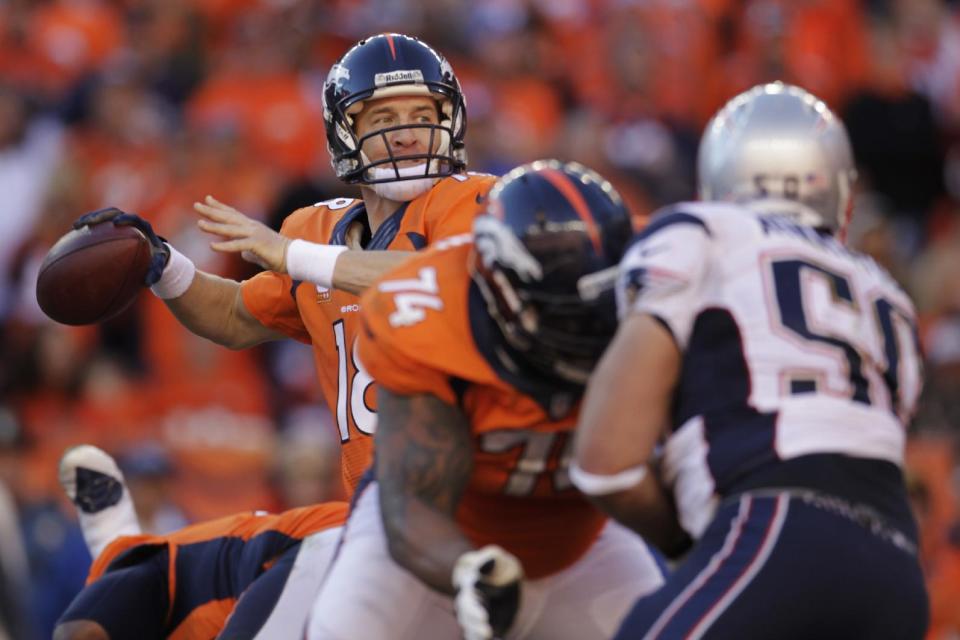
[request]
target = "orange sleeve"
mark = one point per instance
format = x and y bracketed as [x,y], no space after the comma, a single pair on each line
[270,297]
[458,207]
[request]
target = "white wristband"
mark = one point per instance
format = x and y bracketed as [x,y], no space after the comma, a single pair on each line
[176,278]
[312,262]
[593,484]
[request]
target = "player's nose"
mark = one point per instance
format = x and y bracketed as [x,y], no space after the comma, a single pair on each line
[404,138]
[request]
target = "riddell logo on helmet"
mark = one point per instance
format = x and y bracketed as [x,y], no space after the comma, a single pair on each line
[404,76]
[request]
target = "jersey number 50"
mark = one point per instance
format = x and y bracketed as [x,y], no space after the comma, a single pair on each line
[896,363]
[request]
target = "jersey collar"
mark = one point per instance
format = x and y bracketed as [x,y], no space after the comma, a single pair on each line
[385,234]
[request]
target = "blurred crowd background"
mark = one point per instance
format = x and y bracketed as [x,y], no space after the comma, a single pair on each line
[149,105]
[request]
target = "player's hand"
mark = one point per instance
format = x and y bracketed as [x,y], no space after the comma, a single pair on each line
[255,241]
[159,251]
[488,592]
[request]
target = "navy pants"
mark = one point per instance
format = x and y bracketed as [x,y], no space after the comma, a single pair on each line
[130,601]
[789,565]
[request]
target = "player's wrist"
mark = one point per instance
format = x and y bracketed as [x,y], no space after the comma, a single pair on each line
[312,262]
[594,484]
[491,564]
[177,276]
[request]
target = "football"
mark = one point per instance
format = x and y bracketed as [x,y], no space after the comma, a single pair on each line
[93,273]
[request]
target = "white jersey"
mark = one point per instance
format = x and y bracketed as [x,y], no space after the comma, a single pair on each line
[792,345]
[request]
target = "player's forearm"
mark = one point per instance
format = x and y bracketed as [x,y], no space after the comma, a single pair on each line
[648,510]
[356,270]
[210,308]
[422,541]
[423,464]
[628,400]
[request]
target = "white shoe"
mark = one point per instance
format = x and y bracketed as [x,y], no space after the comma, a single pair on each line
[94,483]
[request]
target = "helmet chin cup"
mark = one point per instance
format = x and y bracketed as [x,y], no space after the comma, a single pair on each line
[403,190]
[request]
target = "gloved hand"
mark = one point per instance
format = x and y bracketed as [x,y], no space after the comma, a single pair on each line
[488,592]
[159,251]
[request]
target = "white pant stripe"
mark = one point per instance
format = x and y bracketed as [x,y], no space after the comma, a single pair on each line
[769,542]
[728,544]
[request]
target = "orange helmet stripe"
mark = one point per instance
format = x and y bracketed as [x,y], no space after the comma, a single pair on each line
[393,49]
[567,189]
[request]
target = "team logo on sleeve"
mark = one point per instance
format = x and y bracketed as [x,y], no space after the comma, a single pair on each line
[649,282]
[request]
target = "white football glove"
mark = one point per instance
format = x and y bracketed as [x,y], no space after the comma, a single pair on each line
[488,592]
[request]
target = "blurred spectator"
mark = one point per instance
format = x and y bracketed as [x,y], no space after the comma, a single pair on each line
[931,49]
[934,281]
[148,472]
[939,409]
[51,549]
[306,468]
[931,464]
[894,136]
[29,147]
[14,572]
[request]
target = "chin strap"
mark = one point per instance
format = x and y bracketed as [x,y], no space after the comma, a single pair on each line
[404,190]
[401,190]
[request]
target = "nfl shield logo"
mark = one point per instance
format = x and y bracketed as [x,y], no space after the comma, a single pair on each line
[323,294]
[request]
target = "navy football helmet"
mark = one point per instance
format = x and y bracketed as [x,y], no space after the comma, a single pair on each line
[388,65]
[546,258]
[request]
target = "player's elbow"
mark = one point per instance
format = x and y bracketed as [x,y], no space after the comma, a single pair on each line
[241,330]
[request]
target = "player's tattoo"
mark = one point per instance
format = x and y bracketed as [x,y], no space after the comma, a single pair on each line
[423,463]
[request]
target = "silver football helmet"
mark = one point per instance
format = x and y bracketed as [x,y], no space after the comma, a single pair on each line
[779,149]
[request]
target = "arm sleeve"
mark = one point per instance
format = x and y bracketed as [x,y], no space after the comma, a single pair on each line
[270,298]
[663,272]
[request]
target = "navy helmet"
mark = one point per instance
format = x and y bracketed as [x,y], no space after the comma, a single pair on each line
[382,66]
[547,251]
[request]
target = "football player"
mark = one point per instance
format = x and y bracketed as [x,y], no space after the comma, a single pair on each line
[781,368]
[395,122]
[186,584]
[481,351]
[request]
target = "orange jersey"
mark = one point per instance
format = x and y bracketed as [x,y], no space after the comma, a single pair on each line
[211,563]
[328,319]
[426,330]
